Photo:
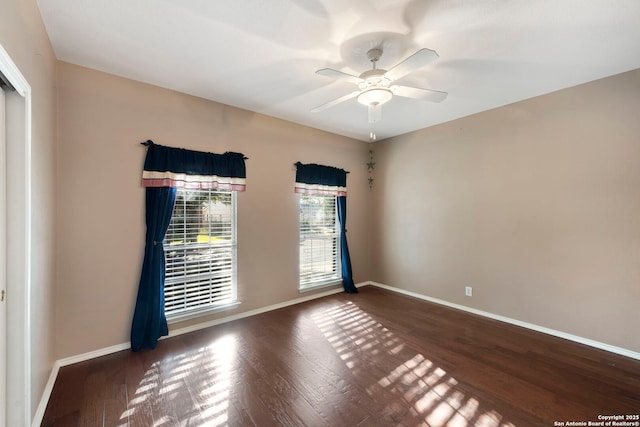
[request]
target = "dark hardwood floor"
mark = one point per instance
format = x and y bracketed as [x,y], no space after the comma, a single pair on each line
[376,358]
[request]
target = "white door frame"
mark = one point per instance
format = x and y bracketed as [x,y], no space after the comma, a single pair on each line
[3,264]
[18,244]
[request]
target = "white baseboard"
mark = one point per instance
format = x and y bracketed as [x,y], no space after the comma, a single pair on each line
[592,343]
[46,394]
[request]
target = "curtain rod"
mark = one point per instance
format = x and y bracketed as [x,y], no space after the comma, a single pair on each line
[149,142]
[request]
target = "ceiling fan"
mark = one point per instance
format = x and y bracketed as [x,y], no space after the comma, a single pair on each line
[375,85]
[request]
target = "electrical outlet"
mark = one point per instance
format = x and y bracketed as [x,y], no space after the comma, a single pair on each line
[468,291]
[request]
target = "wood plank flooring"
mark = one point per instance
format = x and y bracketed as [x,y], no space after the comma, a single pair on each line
[376,358]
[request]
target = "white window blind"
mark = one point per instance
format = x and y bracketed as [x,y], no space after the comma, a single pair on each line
[200,252]
[319,241]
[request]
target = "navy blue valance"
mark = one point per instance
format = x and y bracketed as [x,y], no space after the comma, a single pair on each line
[320,180]
[182,168]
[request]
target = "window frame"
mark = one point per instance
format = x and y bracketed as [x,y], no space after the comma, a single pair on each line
[228,303]
[329,281]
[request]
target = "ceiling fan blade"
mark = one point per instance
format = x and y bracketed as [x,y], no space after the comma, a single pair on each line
[417,93]
[413,62]
[336,101]
[375,113]
[330,72]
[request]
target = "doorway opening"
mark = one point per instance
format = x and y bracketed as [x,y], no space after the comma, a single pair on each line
[15,241]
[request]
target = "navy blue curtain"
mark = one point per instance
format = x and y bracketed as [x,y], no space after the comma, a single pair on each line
[149,321]
[322,175]
[347,274]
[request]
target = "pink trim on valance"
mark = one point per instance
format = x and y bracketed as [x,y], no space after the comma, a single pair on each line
[167,182]
[191,182]
[319,190]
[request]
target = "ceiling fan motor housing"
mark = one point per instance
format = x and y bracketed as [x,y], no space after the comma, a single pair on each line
[374,78]
[374,87]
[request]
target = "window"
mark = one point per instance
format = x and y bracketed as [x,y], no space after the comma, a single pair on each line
[319,241]
[200,253]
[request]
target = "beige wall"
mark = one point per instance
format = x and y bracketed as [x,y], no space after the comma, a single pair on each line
[102,120]
[536,205]
[23,36]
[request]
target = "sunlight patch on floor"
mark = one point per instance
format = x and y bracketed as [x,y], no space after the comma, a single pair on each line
[165,381]
[425,391]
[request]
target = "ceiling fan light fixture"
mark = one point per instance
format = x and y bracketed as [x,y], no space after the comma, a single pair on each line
[375,96]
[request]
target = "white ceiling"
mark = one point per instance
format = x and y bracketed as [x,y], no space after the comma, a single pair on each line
[261,55]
